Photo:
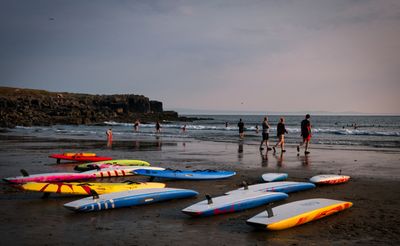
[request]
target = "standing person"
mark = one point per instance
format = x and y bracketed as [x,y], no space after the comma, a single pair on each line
[136,125]
[241,128]
[109,135]
[305,133]
[265,133]
[158,127]
[226,124]
[280,132]
[257,129]
[184,128]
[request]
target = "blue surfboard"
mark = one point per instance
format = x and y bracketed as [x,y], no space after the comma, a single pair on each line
[186,174]
[232,203]
[127,199]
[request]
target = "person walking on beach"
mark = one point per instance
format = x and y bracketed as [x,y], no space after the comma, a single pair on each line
[184,128]
[158,127]
[280,132]
[306,134]
[136,125]
[241,128]
[109,135]
[265,133]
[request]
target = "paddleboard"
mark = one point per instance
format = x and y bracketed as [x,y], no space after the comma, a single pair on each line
[120,171]
[272,177]
[85,188]
[297,213]
[111,163]
[329,179]
[284,186]
[232,203]
[127,199]
[185,174]
[49,177]
[79,157]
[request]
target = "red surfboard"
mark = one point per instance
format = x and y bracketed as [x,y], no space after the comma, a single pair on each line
[79,157]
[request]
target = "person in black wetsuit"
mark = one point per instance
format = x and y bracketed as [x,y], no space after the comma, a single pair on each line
[265,133]
[306,134]
[280,132]
[241,128]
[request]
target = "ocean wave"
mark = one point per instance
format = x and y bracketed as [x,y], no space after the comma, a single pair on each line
[356,132]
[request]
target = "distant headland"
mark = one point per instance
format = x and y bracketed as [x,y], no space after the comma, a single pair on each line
[29,107]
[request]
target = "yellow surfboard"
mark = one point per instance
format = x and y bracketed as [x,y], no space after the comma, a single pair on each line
[84,188]
[297,213]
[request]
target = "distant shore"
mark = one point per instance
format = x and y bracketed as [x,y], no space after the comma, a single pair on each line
[374,190]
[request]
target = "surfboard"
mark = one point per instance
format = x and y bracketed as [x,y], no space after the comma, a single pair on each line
[297,213]
[80,153]
[127,199]
[272,177]
[232,203]
[79,157]
[49,177]
[111,163]
[85,188]
[284,186]
[120,171]
[329,179]
[185,174]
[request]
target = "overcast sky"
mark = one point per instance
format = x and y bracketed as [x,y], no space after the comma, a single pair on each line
[283,56]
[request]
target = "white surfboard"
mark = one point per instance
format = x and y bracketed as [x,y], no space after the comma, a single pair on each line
[329,179]
[284,186]
[232,203]
[297,213]
[272,177]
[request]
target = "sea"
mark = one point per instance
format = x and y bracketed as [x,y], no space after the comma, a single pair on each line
[344,131]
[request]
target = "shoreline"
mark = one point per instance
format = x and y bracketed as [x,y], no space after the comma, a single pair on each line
[374,189]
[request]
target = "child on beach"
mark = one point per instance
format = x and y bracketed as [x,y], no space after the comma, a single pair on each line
[306,134]
[281,130]
[265,133]
[241,128]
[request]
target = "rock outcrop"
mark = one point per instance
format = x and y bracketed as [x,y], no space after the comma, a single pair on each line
[27,107]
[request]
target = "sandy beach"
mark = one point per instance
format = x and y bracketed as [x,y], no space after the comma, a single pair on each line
[27,219]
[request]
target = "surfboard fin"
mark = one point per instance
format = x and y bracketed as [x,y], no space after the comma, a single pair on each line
[270,213]
[209,199]
[94,194]
[24,172]
[131,182]
[245,185]
[46,195]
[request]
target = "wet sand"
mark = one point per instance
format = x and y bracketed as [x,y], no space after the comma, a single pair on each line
[27,219]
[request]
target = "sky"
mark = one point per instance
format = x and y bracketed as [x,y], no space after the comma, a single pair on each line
[232,55]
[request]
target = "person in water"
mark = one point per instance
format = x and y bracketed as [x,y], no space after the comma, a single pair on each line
[136,125]
[241,128]
[265,133]
[184,128]
[158,127]
[306,134]
[280,132]
[109,135]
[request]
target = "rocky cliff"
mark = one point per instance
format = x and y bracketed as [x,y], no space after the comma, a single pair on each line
[27,107]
